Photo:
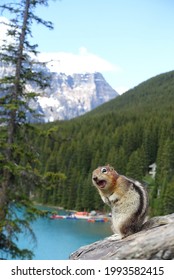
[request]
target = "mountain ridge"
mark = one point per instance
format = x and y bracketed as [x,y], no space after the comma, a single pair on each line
[130,133]
[141,95]
[73,95]
[67,96]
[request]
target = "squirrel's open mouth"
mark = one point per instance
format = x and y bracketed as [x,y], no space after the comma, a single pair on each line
[100,183]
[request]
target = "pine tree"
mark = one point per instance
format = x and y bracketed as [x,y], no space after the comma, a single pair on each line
[168,200]
[121,161]
[150,142]
[18,159]
[135,166]
[165,170]
[52,192]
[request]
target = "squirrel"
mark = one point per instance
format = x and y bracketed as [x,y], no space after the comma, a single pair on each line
[127,198]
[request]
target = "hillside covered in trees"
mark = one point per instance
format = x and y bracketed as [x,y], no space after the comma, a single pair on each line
[130,133]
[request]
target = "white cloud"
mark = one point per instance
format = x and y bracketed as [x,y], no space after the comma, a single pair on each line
[81,62]
[3,30]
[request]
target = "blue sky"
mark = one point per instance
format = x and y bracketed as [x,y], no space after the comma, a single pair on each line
[128,41]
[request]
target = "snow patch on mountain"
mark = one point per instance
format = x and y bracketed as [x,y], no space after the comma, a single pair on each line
[68,96]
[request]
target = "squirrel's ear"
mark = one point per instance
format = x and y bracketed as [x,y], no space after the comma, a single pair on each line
[110,167]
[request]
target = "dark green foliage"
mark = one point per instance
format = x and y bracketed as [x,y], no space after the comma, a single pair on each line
[130,132]
[135,165]
[168,205]
[55,165]
[19,161]
[52,188]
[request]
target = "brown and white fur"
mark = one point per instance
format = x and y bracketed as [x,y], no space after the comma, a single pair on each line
[127,198]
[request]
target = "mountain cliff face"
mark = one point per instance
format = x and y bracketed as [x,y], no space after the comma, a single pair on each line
[68,96]
[72,96]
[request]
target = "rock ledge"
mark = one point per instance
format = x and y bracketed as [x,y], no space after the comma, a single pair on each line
[154,242]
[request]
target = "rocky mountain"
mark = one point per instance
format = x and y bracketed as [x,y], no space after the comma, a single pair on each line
[68,96]
[72,96]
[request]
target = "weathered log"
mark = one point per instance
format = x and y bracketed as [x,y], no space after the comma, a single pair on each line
[154,242]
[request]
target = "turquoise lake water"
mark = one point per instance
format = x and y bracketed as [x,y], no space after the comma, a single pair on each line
[57,239]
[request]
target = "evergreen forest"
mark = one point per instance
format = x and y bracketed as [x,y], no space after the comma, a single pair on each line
[130,133]
[52,163]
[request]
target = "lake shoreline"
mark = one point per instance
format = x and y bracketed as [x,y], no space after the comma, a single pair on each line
[57,208]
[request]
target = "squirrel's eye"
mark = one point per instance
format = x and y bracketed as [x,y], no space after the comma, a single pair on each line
[103,170]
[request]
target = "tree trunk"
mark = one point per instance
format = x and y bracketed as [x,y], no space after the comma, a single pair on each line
[11,129]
